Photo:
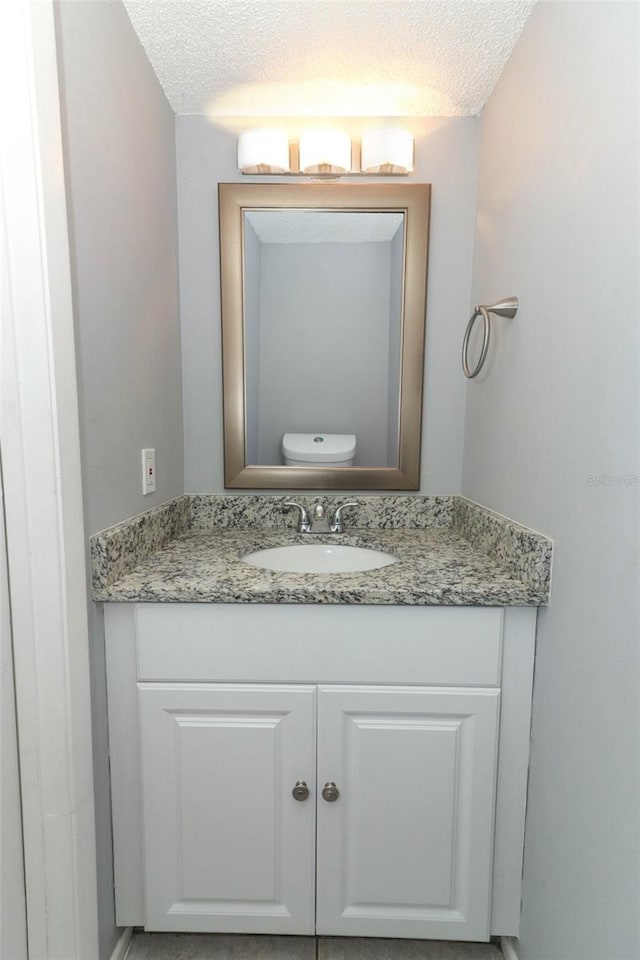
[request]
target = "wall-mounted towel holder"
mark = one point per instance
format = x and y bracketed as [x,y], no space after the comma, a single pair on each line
[503,308]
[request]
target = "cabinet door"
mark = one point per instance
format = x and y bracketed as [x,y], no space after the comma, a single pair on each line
[406,849]
[227,847]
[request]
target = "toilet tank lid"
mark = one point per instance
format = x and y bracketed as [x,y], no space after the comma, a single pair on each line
[319,447]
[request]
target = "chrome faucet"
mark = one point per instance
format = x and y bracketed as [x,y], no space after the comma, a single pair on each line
[304,521]
[318,522]
[337,524]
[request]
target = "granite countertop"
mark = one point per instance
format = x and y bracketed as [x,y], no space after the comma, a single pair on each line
[436,565]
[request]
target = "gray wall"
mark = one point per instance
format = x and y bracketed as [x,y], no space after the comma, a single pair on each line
[552,439]
[120,174]
[446,156]
[324,345]
[120,159]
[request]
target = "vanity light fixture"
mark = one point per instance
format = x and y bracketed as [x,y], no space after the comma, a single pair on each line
[326,153]
[263,151]
[386,150]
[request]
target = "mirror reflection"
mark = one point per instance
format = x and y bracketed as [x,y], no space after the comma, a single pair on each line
[323,292]
[322,332]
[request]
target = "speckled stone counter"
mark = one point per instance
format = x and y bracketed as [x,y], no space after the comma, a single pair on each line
[449,551]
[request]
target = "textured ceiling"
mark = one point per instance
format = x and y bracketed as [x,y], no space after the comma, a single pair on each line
[326,58]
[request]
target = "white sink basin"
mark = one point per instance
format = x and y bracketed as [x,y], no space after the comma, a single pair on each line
[319,558]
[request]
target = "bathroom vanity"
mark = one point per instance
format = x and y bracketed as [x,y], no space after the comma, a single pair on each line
[333,754]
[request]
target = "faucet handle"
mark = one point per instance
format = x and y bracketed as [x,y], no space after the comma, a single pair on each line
[337,524]
[304,522]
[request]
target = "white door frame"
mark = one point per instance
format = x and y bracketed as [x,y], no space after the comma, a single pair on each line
[39,437]
[13,908]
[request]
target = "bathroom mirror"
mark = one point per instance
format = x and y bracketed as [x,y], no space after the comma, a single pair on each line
[323,291]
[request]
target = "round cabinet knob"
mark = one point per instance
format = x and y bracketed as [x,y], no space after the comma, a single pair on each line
[330,792]
[300,791]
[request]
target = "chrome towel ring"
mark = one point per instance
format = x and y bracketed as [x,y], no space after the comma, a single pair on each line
[503,308]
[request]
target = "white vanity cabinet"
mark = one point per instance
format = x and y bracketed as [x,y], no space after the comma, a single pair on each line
[226,845]
[404,803]
[406,849]
[407,725]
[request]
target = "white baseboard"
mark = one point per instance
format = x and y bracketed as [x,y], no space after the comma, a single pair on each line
[508,945]
[120,949]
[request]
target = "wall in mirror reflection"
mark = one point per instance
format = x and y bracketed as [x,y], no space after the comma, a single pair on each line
[323,329]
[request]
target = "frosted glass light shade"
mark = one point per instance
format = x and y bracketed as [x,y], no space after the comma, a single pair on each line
[263,151]
[386,150]
[325,151]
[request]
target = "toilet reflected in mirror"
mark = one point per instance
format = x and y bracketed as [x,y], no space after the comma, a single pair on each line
[319,449]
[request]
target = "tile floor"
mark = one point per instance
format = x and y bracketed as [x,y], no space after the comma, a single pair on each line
[185,946]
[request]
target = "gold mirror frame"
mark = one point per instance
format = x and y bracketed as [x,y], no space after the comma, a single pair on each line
[413,200]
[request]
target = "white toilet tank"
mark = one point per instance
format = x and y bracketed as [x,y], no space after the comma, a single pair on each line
[319,449]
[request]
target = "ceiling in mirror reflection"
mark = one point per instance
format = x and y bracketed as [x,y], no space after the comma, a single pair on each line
[324,226]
